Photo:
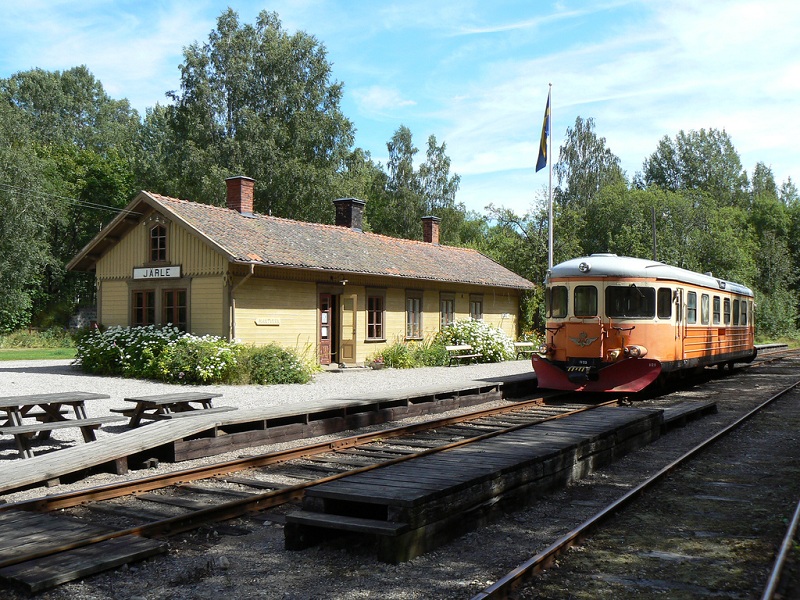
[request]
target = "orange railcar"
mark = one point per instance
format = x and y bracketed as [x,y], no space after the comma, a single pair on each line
[616,324]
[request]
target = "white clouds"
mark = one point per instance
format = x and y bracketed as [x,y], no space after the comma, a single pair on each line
[377,101]
[134,55]
[475,74]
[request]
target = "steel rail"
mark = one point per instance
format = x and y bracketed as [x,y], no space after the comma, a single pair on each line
[263,501]
[780,560]
[153,482]
[544,559]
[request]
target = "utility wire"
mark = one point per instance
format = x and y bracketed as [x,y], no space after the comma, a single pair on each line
[74,201]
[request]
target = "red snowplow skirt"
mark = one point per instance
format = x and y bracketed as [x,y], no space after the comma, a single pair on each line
[629,375]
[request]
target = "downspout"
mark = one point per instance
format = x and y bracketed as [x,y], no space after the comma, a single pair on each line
[233,300]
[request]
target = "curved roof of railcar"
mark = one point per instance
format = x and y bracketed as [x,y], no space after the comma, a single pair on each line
[611,265]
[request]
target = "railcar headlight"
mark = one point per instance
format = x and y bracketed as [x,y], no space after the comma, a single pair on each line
[584,267]
[613,355]
[635,351]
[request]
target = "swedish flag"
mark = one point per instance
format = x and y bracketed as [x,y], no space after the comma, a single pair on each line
[541,163]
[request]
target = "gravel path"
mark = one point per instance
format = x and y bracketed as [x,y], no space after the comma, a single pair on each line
[39,377]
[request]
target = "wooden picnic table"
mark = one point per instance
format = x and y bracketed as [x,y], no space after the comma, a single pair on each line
[50,417]
[168,406]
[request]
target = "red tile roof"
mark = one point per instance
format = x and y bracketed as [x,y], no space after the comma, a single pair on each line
[266,240]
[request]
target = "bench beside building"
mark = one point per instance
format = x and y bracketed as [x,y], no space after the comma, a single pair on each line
[333,290]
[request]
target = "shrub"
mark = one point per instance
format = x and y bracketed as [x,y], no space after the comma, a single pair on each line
[191,359]
[272,364]
[128,351]
[492,343]
[54,337]
[168,354]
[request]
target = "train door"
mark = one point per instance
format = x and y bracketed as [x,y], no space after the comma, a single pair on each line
[680,324]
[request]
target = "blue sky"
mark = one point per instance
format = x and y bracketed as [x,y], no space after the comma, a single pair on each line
[475,73]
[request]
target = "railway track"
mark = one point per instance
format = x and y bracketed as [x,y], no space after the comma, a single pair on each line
[702,526]
[161,506]
[167,504]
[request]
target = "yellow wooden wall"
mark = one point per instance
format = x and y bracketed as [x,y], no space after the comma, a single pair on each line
[183,248]
[208,306]
[113,303]
[289,307]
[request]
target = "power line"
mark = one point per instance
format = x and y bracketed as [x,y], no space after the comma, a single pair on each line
[74,201]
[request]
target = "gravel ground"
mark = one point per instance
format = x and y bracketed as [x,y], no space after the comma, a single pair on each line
[39,377]
[211,563]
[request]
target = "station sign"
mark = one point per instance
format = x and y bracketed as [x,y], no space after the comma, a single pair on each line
[167,272]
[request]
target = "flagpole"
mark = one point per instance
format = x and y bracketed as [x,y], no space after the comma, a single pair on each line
[550,193]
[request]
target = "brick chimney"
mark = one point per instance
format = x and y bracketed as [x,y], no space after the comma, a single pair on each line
[349,212]
[240,194]
[430,230]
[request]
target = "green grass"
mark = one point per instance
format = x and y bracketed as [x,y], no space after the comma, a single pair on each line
[37,353]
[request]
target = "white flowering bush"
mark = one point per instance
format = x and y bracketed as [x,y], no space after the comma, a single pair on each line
[492,343]
[151,352]
[191,359]
[128,351]
[168,354]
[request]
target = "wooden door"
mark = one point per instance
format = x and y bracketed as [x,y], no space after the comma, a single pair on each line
[325,328]
[347,349]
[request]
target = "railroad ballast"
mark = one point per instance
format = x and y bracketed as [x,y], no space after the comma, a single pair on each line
[617,324]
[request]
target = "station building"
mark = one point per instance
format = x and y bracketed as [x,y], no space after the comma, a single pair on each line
[333,290]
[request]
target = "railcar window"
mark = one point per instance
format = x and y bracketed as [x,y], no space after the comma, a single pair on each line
[585,301]
[716,312]
[743,320]
[664,303]
[691,307]
[727,310]
[736,312]
[631,302]
[558,302]
[704,312]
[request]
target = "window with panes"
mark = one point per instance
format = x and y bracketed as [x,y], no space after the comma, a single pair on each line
[158,244]
[375,317]
[447,310]
[174,309]
[144,308]
[476,307]
[414,315]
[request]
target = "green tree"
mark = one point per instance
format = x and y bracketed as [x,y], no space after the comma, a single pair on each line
[86,143]
[257,101]
[72,108]
[27,210]
[408,194]
[585,165]
[699,160]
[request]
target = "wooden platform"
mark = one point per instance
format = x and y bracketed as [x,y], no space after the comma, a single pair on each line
[411,508]
[23,533]
[209,434]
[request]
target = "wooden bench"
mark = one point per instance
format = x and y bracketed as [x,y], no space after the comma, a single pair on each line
[461,352]
[523,348]
[23,433]
[168,406]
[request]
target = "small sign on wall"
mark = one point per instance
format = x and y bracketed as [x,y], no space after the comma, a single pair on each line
[267,321]
[168,272]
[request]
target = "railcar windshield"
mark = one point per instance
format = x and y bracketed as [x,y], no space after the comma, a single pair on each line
[556,302]
[585,301]
[630,302]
